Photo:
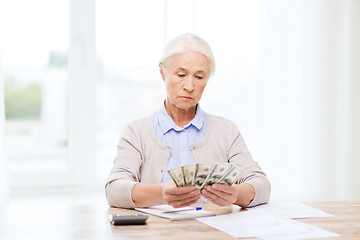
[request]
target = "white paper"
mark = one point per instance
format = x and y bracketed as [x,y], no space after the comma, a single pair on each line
[311,232]
[292,210]
[185,215]
[264,225]
[256,223]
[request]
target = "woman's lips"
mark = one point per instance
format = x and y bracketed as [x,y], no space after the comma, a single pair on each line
[186,98]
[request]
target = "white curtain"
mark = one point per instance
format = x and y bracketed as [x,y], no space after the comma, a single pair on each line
[308,99]
[300,112]
[331,64]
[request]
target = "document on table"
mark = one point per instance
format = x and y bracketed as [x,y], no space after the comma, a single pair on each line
[184,213]
[311,232]
[291,210]
[261,224]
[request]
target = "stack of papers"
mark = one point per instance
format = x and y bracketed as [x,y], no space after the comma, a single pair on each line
[263,224]
[167,211]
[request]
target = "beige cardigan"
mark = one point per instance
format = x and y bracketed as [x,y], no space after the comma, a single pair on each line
[141,157]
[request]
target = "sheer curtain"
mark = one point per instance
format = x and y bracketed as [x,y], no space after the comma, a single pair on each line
[299,111]
[331,132]
[308,104]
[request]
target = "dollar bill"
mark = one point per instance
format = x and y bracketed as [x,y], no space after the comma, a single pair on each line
[201,175]
[189,171]
[177,176]
[202,172]
[232,176]
[218,172]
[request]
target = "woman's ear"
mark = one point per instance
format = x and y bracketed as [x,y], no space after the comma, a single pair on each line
[162,71]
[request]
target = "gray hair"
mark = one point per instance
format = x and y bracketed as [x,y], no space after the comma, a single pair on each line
[184,43]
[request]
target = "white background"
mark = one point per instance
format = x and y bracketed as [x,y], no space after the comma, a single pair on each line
[287,74]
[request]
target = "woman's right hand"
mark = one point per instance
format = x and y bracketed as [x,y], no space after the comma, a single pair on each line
[180,196]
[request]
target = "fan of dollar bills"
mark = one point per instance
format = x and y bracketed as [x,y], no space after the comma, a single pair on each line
[201,175]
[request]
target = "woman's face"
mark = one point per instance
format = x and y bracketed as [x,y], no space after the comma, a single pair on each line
[185,79]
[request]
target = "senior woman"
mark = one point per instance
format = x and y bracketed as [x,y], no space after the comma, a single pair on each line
[181,133]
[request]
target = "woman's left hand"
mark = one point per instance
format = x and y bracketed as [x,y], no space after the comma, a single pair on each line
[220,194]
[179,196]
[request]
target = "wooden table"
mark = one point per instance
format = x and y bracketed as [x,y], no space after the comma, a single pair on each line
[90,222]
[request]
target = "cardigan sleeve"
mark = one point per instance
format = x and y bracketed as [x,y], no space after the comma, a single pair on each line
[239,154]
[126,170]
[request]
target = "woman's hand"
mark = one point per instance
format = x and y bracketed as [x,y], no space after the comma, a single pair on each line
[180,196]
[224,195]
[220,194]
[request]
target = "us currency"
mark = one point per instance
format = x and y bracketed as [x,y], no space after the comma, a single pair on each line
[189,171]
[218,172]
[202,172]
[232,176]
[177,176]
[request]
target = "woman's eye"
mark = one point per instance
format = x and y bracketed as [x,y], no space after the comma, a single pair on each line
[199,77]
[181,75]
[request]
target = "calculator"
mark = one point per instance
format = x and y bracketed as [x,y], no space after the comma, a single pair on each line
[128,219]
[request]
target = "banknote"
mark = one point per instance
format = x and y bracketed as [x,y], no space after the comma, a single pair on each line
[202,171]
[177,176]
[232,176]
[218,172]
[189,171]
[201,175]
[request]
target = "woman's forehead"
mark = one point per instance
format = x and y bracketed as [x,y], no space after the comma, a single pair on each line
[184,69]
[193,61]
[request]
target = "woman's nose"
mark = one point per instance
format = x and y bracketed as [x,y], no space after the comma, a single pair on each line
[189,84]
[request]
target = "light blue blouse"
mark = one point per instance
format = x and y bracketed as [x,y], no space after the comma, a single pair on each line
[179,138]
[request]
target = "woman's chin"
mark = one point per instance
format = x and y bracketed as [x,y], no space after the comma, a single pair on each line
[186,107]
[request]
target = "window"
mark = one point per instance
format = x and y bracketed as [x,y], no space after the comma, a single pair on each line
[34,65]
[47,87]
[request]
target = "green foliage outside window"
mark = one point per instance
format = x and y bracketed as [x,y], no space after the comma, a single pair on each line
[22,101]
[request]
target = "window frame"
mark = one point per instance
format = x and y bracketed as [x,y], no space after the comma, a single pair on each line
[82,74]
